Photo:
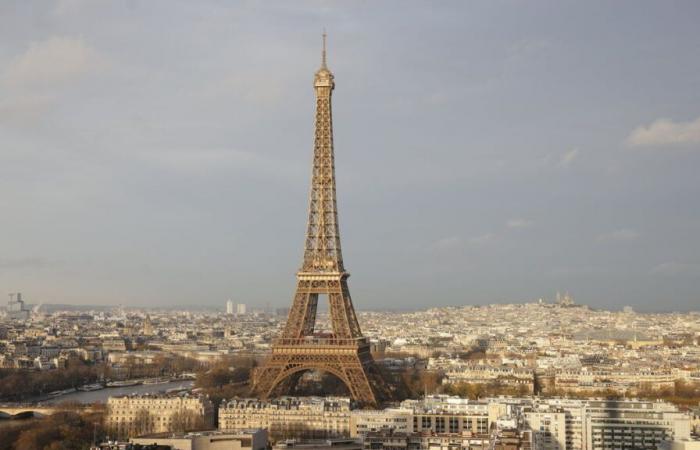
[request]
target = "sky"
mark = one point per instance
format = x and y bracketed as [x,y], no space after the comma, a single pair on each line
[158,153]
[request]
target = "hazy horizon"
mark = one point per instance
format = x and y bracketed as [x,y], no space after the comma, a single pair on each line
[159,153]
[252,309]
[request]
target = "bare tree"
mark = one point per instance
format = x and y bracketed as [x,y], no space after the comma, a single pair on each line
[142,423]
[186,420]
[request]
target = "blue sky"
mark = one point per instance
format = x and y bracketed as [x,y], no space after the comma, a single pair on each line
[158,152]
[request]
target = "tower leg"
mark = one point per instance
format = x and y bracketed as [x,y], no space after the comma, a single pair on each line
[281,372]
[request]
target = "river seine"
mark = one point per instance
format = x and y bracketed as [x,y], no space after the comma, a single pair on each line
[102,395]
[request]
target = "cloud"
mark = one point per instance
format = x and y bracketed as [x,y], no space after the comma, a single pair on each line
[447,243]
[22,263]
[671,268]
[519,223]
[624,234]
[482,239]
[568,158]
[457,242]
[24,109]
[28,83]
[253,87]
[569,272]
[203,161]
[665,132]
[65,7]
[526,47]
[51,62]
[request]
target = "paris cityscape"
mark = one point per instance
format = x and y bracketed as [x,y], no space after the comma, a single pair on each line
[155,301]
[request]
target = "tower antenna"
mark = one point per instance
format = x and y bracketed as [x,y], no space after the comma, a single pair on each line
[323,54]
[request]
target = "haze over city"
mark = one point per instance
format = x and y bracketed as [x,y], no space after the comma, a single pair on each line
[158,153]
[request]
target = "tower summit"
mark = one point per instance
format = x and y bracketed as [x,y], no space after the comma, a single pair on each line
[324,77]
[344,352]
[322,250]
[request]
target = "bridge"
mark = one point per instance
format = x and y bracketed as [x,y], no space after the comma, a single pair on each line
[13,412]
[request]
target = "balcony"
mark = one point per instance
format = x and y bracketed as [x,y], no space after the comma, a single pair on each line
[315,341]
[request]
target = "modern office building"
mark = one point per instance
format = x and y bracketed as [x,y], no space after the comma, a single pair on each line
[16,309]
[612,424]
[207,440]
[396,420]
[445,414]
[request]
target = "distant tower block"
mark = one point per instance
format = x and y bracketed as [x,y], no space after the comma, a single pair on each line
[344,352]
[148,326]
[16,309]
[229,307]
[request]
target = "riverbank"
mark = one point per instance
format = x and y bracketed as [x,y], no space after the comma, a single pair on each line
[101,395]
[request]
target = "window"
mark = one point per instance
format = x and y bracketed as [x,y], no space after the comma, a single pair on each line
[439,424]
[454,425]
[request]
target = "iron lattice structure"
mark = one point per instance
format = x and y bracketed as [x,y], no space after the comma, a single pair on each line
[344,353]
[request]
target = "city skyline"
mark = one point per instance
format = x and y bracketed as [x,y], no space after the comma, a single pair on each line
[477,164]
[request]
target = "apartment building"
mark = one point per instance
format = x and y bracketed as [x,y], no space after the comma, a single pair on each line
[309,417]
[133,416]
[548,428]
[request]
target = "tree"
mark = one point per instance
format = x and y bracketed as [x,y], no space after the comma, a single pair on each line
[186,420]
[19,384]
[142,423]
[64,430]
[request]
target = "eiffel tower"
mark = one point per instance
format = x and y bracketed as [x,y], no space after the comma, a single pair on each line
[345,352]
